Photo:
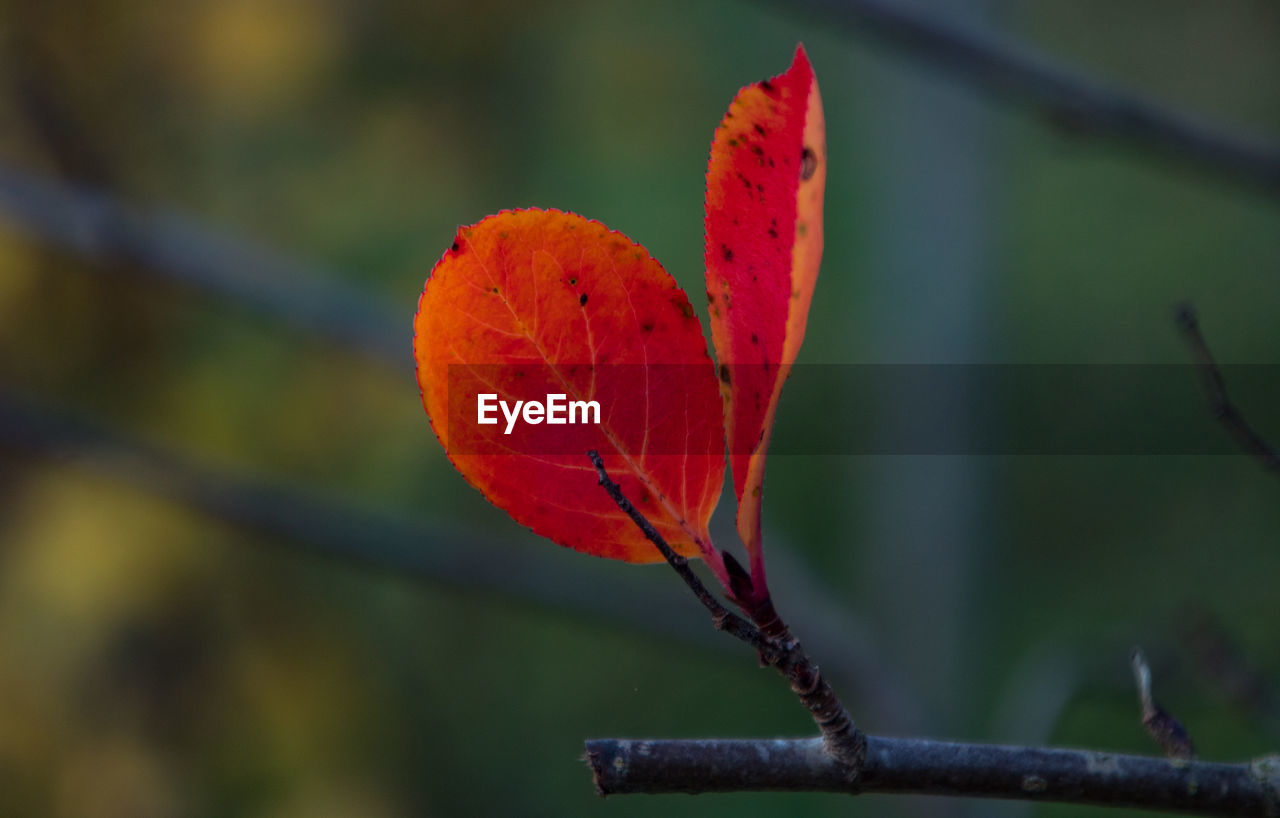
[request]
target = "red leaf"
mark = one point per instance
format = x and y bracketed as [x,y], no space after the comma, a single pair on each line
[529,303]
[765,184]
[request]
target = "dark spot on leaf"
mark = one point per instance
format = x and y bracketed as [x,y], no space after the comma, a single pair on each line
[733,143]
[456,247]
[573,282]
[773,232]
[724,373]
[759,187]
[711,299]
[745,181]
[582,300]
[647,326]
[760,129]
[757,150]
[728,254]
[808,163]
[771,162]
[495,289]
[683,306]
[766,86]
[754,338]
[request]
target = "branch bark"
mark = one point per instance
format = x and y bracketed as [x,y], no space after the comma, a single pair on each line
[925,767]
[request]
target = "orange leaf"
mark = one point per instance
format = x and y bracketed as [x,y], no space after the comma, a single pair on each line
[765,184]
[533,303]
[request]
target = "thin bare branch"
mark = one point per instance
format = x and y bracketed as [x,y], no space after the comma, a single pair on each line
[776,647]
[1066,96]
[922,766]
[721,617]
[1216,389]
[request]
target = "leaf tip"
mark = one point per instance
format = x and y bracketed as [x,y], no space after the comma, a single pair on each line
[800,62]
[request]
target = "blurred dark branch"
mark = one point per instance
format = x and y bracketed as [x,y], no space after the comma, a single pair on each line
[39,91]
[100,228]
[1068,98]
[922,766]
[1220,660]
[314,523]
[1216,388]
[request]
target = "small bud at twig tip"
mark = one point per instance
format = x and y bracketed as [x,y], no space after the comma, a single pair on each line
[1163,728]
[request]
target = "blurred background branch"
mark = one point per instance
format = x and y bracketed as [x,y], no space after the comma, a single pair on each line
[99,227]
[1067,97]
[425,549]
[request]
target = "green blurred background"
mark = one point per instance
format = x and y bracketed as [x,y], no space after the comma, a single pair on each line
[238,576]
